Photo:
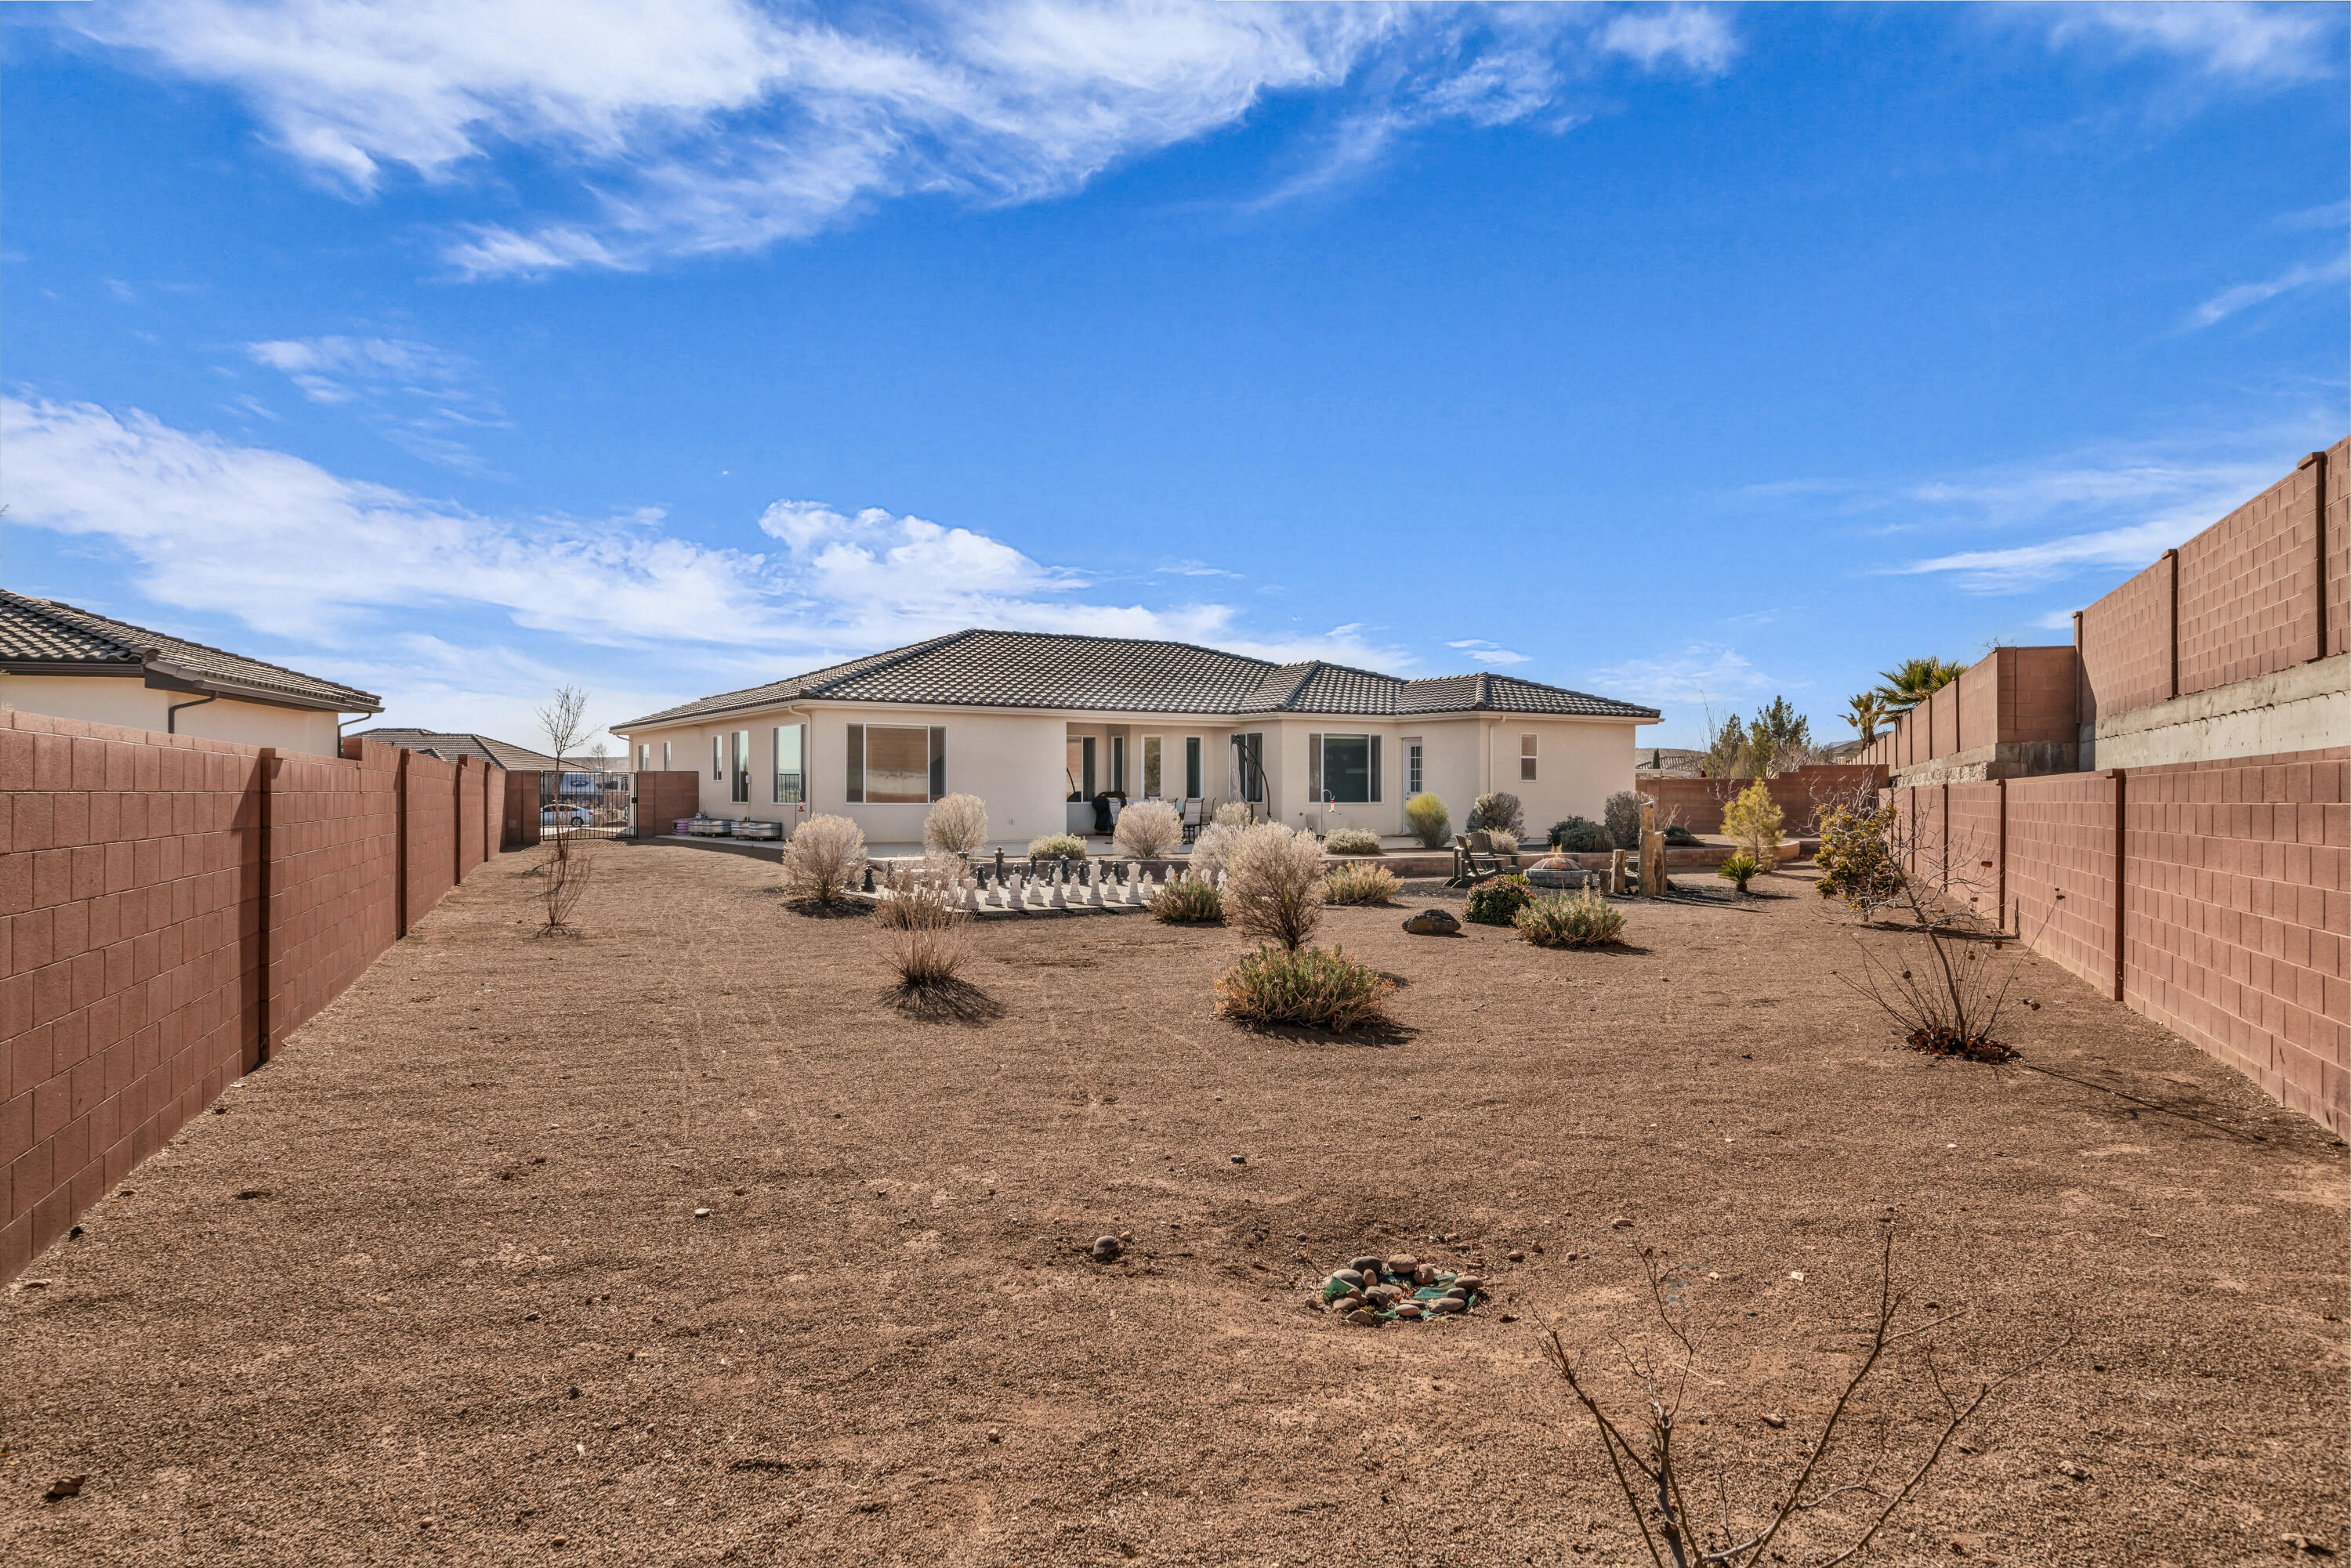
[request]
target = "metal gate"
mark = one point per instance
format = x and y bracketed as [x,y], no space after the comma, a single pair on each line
[587,802]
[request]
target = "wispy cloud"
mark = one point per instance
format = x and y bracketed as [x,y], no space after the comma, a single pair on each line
[2026,566]
[2229,301]
[296,551]
[1701,672]
[2243,43]
[1487,653]
[704,126]
[1192,568]
[418,397]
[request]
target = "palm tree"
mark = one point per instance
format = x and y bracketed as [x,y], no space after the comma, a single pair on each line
[1866,711]
[1913,681]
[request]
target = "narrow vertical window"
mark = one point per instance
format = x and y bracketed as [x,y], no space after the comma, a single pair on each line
[1192,779]
[1412,776]
[1118,765]
[1314,769]
[1526,756]
[644,756]
[938,762]
[1152,776]
[856,752]
[791,779]
[719,756]
[1372,768]
[741,759]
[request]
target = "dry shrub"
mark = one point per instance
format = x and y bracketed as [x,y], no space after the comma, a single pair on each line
[1499,810]
[1148,830]
[1303,986]
[1497,840]
[1358,884]
[1189,902]
[823,863]
[957,825]
[1584,920]
[927,932]
[1354,841]
[1214,845]
[1233,814]
[1274,884]
[1057,847]
[569,869]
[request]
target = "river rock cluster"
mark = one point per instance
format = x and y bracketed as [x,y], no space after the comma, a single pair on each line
[1400,1289]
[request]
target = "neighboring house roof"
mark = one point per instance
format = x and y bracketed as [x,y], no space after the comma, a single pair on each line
[450,745]
[1047,670]
[41,636]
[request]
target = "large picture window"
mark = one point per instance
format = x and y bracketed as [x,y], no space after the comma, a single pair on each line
[892,764]
[1344,769]
[791,764]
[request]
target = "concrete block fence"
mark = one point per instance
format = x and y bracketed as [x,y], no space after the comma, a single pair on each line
[172,909]
[2214,898]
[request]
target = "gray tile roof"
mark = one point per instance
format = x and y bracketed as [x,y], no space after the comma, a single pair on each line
[45,632]
[450,745]
[1046,670]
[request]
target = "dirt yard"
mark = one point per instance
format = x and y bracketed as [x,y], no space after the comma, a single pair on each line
[433,1288]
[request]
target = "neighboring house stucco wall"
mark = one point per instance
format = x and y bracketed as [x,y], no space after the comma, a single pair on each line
[126,700]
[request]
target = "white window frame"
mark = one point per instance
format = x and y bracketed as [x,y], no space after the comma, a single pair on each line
[1154,779]
[1527,758]
[1415,771]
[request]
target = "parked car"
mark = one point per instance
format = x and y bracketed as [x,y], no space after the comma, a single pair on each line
[565,817]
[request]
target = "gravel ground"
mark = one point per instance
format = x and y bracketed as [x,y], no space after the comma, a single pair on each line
[434,1287]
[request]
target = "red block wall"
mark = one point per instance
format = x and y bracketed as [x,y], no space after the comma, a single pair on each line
[663,797]
[2061,871]
[162,901]
[2249,588]
[2125,649]
[1696,803]
[2239,879]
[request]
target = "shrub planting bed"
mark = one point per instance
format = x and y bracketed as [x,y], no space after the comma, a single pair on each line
[672,1243]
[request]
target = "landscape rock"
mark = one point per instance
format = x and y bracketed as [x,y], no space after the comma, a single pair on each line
[1432,923]
[1363,1265]
[1349,1276]
[1363,1317]
[1449,1304]
[1402,1267]
[1107,1248]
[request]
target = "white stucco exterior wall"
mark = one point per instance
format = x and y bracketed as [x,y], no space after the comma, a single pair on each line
[128,701]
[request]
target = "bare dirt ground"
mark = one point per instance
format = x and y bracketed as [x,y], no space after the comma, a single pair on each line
[433,1288]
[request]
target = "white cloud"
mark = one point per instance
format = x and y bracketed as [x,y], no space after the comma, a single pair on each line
[1691,36]
[2229,301]
[301,554]
[413,394]
[2025,566]
[1700,673]
[1487,653]
[2249,43]
[704,126]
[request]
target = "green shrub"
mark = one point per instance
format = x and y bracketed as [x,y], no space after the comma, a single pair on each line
[1680,838]
[1856,859]
[1193,900]
[1740,869]
[1057,847]
[1427,818]
[1499,810]
[1622,816]
[1497,902]
[1752,820]
[1358,884]
[1581,835]
[1580,920]
[1304,986]
[1352,841]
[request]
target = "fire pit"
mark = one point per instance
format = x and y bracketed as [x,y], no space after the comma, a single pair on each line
[1402,1290]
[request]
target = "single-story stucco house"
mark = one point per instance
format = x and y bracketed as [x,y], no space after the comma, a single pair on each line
[1037,725]
[76,664]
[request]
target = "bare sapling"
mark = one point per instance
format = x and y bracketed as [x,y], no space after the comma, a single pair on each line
[1850,1479]
[564,721]
[567,875]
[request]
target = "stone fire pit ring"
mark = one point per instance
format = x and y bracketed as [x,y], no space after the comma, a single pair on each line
[1371,1291]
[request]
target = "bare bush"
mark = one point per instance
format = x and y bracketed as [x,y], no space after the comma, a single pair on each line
[569,869]
[1358,884]
[823,863]
[1354,842]
[1502,811]
[1274,884]
[1233,814]
[957,825]
[1837,1493]
[1148,830]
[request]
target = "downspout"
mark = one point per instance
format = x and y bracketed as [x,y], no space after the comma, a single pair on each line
[172,714]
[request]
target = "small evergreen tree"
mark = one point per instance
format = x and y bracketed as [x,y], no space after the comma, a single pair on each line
[1753,821]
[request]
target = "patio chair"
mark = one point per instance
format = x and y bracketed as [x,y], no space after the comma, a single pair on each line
[1193,807]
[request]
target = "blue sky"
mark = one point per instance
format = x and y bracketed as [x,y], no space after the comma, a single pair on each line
[1688,355]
